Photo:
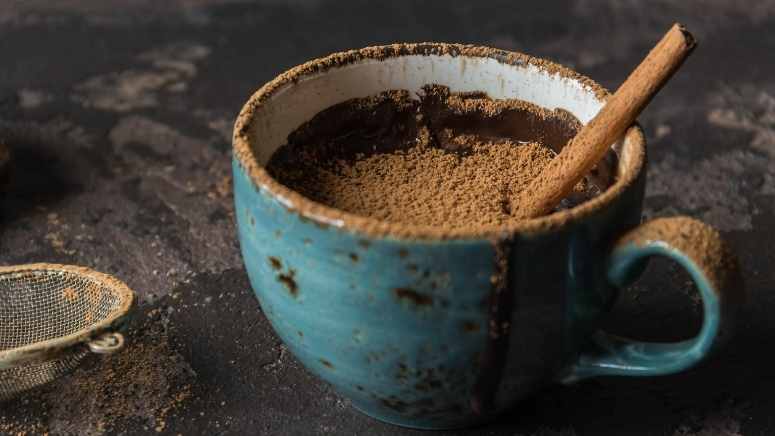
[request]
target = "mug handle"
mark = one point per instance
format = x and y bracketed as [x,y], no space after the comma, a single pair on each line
[700,250]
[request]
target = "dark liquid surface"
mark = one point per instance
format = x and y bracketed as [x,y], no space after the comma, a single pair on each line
[453,160]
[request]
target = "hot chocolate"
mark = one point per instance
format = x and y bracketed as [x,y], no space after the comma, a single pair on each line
[452,160]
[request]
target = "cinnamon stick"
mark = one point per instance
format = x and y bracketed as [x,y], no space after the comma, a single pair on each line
[589,146]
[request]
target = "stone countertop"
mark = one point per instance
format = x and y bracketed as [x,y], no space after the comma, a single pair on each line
[119,120]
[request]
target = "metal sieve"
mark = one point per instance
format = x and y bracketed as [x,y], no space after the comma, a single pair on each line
[51,318]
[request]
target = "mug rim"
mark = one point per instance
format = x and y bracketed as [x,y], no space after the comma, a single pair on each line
[369,227]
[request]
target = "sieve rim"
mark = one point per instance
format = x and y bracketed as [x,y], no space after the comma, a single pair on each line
[53,347]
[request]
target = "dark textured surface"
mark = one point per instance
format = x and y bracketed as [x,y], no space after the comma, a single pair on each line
[119,119]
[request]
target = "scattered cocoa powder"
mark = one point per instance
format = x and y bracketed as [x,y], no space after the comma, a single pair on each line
[31,425]
[453,160]
[147,382]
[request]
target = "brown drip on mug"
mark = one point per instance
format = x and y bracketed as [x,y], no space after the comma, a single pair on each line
[500,306]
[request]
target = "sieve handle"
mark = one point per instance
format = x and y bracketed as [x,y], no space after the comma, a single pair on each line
[108,343]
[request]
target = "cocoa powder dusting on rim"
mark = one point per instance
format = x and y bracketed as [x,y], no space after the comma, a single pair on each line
[450,160]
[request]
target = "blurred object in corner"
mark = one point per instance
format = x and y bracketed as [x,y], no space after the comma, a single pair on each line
[5,163]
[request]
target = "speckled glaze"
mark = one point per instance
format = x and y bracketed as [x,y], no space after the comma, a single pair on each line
[441,331]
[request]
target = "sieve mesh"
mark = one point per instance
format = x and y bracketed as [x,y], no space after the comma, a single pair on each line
[38,305]
[23,378]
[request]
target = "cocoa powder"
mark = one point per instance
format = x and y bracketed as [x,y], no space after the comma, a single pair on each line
[452,160]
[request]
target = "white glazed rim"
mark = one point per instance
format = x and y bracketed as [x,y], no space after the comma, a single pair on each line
[631,151]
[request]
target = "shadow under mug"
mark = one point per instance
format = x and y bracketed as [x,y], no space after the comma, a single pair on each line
[428,329]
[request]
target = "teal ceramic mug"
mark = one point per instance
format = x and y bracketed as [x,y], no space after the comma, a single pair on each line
[431,329]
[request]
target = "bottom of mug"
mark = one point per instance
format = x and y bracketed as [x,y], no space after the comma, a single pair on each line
[422,423]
